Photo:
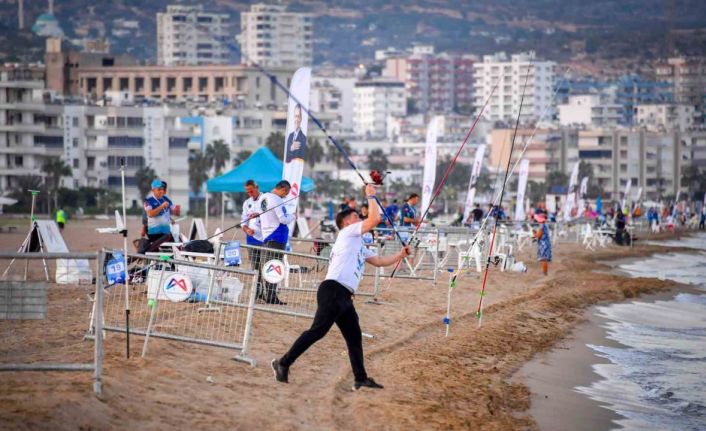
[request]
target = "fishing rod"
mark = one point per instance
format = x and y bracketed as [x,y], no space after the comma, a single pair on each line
[242,222]
[450,167]
[519,159]
[479,312]
[273,79]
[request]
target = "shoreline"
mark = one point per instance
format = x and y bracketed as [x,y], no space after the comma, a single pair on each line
[553,375]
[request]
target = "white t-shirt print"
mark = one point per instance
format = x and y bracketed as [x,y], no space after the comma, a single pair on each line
[347,261]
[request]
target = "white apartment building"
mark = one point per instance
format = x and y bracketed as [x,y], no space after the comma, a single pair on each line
[272,37]
[665,116]
[186,35]
[590,110]
[334,96]
[374,101]
[509,74]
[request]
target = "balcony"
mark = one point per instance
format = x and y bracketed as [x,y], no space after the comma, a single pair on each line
[22,127]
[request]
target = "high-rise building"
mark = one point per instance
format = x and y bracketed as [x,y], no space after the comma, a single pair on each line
[510,74]
[434,82]
[186,35]
[687,77]
[374,101]
[272,37]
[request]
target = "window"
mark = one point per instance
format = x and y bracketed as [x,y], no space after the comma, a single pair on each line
[49,141]
[107,84]
[75,142]
[203,84]
[115,181]
[595,154]
[130,161]
[124,84]
[177,142]
[125,141]
[75,121]
[156,85]
[75,163]
[90,162]
[19,161]
[187,84]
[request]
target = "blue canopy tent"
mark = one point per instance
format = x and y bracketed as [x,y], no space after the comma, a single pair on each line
[262,166]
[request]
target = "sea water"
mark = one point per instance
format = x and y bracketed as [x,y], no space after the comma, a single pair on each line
[657,379]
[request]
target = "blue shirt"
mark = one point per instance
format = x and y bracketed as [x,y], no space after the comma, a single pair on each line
[408,211]
[159,224]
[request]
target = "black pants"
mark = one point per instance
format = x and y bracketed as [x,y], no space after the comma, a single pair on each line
[267,255]
[255,255]
[335,305]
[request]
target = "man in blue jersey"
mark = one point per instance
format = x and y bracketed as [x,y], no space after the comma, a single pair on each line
[408,214]
[158,208]
[275,232]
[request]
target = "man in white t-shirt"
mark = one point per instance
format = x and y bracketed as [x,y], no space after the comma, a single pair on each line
[253,232]
[335,295]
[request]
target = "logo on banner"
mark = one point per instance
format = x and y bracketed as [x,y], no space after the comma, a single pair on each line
[231,253]
[427,189]
[273,271]
[177,287]
[295,190]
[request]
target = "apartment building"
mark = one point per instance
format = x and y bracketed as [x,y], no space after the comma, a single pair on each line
[434,82]
[187,35]
[374,101]
[271,36]
[590,110]
[687,76]
[665,116]
[510,75]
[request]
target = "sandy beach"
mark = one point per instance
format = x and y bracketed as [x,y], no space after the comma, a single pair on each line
[464,381]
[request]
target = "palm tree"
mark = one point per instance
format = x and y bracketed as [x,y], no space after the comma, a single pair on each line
[55,169]
[315,153]
[198,172]
[241,157]
[275,142]
[143,179]
[24,183]
[378,160]
[218,154]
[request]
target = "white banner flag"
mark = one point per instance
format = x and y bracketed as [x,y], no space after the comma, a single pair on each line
[626,194]
[571,195]
[582,195]
[429,163]
[521,188]
[295,142]
[475,173]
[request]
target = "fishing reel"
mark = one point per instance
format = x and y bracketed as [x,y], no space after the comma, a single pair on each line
[378,177]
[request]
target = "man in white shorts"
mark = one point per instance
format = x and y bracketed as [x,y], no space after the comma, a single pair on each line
[335,295]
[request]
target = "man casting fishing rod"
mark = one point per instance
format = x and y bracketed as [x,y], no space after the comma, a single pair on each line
[335,295]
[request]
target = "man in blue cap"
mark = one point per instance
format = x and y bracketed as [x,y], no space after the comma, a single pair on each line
[158,208]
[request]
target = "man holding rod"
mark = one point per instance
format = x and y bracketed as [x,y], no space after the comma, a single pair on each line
[335,295]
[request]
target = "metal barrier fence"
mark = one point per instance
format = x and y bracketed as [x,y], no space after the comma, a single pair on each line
[287,281]
[184,301]
[42,325]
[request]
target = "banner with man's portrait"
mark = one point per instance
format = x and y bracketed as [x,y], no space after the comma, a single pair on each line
[295,139]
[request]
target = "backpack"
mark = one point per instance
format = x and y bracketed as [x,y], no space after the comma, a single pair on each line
[199,246]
